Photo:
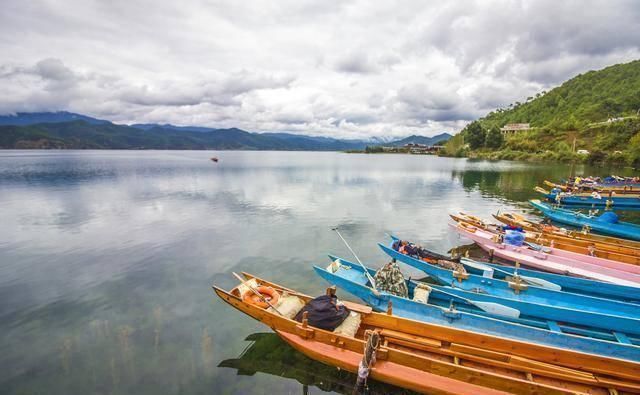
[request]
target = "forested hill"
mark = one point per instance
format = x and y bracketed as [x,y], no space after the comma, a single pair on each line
[591,97]
[592,117]
[84,135]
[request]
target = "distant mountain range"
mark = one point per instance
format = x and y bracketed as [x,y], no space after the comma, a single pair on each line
[65,130]
[31,118]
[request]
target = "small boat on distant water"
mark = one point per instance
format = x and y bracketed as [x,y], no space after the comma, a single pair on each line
[214,159]
[442,359]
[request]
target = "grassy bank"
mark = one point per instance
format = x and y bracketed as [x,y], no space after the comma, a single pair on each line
[615,142]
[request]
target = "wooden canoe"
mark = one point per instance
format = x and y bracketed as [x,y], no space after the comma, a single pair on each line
[570,327]
[577,247]
[626,189]
[442,360]
[587,199]
[625,230]
[548,261]
[507,286]
[613,244]
[505,273]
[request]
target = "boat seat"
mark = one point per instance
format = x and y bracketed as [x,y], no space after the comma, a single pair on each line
[421,294]
[288,305]
[408,340]
[357,307]
[622,338]
[554,327]
[349,326]
[247,285]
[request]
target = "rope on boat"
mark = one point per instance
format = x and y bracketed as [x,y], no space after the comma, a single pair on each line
[368,360]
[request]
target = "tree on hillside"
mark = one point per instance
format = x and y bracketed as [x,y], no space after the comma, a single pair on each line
[494,138]
[475,135]
[634,150]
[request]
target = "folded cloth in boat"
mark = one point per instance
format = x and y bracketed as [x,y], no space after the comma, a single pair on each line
[324,312]
[288,305]
[247,286]
[349,326]
[421,293]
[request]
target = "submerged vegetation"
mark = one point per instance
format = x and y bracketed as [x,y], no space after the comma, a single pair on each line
[590,118]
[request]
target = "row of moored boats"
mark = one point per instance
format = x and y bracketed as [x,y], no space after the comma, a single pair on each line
[567,323]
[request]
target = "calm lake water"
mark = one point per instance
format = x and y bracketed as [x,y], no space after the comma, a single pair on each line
[107,257]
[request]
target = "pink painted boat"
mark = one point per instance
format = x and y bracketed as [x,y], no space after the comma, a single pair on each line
[551,262]
[617,265]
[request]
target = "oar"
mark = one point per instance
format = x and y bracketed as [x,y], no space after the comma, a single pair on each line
[366,271]
[257,293]
[489,307]
[538,282]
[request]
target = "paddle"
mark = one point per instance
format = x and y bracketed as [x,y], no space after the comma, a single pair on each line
[489,307]
[256,293]
[366,271]
[538,282]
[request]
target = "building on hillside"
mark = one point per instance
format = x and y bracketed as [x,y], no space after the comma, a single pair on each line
[511,128]
[413,148]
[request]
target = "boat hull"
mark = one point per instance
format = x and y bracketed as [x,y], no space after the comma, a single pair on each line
[388,372]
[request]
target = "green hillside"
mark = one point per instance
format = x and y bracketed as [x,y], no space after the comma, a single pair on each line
[571,117]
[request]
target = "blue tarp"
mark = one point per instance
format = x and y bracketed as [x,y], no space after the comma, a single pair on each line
[514,238]
[609,217]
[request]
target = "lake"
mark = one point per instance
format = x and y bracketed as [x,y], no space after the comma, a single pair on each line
[107,257]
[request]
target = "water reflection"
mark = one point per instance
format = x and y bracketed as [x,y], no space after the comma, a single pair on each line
[270,355]
[106,257]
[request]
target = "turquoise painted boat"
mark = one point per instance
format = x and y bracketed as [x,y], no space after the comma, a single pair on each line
[523,291]
[588,293]
[620,201]
[596,224]
[577,285]
[454,311]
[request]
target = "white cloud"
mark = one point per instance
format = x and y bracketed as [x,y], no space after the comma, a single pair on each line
[356,69]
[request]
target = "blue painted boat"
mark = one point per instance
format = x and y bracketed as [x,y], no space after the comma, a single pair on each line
[577,285]
[442,309]
[499,284]
[594,199]
[597,224]
[517,291]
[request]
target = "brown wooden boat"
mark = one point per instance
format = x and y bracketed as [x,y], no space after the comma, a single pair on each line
[444,360]
[614,244]
[620,189]
[579,246]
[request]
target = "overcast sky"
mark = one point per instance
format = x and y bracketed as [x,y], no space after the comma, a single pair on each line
[345,69]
